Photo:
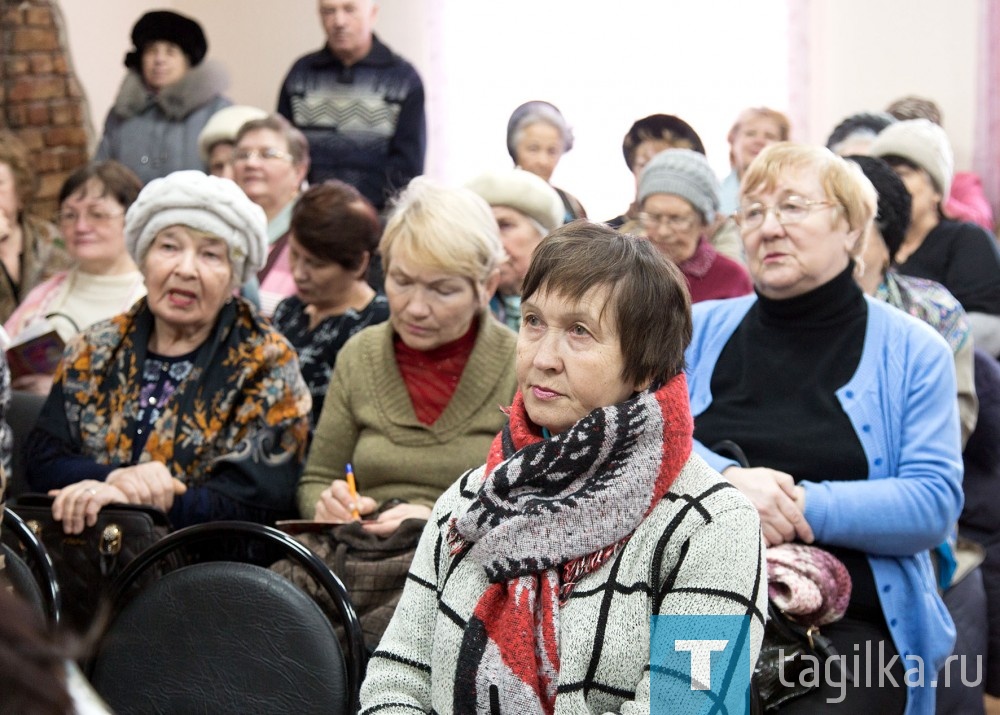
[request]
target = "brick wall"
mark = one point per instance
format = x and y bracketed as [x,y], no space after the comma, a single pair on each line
[40,97]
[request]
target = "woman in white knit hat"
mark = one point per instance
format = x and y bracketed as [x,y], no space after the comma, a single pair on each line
[190,401]
[526,209]
[962,257]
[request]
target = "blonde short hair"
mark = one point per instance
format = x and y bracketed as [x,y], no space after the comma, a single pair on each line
[843,181]
[447,229]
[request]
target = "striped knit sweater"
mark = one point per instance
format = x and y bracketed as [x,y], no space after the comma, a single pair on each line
[699,552]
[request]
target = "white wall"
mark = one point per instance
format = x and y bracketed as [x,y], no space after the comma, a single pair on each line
[603,64]
[866,53]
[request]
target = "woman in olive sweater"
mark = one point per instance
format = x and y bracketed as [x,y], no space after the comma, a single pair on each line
[416,401]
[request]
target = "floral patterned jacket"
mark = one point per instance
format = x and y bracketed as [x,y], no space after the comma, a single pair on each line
[235,431]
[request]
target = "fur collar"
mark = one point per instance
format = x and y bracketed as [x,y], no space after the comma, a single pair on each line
[199,86]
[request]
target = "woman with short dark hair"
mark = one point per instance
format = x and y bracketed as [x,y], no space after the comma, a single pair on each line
[333,235]
[536,577]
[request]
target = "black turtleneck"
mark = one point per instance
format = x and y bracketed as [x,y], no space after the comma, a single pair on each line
[774,394]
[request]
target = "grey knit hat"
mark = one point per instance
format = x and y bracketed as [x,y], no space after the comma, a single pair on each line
[207,203]
[684,173]
[522,191]
[923,143]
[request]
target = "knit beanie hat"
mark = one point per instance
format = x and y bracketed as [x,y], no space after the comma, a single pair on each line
[224,125]
[522,191]
[923,143]
[207,203]
[172,27]
[862,123]
[894,201]
[684,173]
[537,111]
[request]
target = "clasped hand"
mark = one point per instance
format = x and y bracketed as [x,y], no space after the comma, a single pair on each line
[336,506]
[779,502]
[150,483]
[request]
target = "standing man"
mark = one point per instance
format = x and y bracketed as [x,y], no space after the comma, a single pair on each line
[360,105]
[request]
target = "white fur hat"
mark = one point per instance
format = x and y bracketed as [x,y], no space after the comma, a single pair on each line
[207,203]
[923,143]
[522,191]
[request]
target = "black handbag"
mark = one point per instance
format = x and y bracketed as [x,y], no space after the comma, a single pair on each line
[789,649]
[87,563]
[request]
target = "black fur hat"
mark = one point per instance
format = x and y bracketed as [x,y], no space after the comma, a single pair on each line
[172,27]
[666,127]
[894,200]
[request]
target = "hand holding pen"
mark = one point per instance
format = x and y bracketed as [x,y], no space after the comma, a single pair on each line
[353,487]
[341,502]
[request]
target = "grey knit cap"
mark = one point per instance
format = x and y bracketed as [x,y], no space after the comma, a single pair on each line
[207,203]
[684,173]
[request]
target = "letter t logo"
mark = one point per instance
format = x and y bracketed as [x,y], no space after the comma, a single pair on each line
[701,660]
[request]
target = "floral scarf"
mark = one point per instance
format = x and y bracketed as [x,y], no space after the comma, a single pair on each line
[549,512]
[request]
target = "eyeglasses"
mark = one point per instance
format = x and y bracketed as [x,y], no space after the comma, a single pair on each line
[265,154]
[95,217]
[675,223]
[790,210]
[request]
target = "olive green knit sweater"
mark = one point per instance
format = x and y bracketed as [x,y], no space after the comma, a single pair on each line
[368,420]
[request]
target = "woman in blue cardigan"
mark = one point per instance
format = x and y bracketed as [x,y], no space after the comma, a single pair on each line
[846,409]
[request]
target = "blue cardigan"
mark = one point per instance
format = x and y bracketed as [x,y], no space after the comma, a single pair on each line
[901,402]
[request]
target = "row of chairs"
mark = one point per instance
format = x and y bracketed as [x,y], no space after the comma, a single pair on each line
[215,636]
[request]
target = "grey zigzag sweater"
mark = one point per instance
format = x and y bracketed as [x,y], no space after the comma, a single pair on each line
[699,552]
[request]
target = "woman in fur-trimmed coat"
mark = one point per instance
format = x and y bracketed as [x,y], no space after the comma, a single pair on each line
[165,100]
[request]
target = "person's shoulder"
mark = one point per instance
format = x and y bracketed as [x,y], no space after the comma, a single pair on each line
[496,334]
[717,311]
[364,345]
[316,58]
[896,328]
[960,231]
[262,333]
[700,489]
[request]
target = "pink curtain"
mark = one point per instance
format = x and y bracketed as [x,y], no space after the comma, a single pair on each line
[798,69]
[986,159]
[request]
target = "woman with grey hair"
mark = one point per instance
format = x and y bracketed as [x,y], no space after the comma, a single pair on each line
[537,137]
[190,401]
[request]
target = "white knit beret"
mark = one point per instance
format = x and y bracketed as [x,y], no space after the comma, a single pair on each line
[207,203]
[684,173]
[522,191]
[923,143]
[224,125]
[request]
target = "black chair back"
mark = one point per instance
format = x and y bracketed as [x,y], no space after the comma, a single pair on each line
[21,541]
[227,636]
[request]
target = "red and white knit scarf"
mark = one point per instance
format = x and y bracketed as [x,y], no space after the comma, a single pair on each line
[550,512]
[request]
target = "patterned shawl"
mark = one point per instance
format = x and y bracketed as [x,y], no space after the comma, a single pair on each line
[550,512]
[243,409]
